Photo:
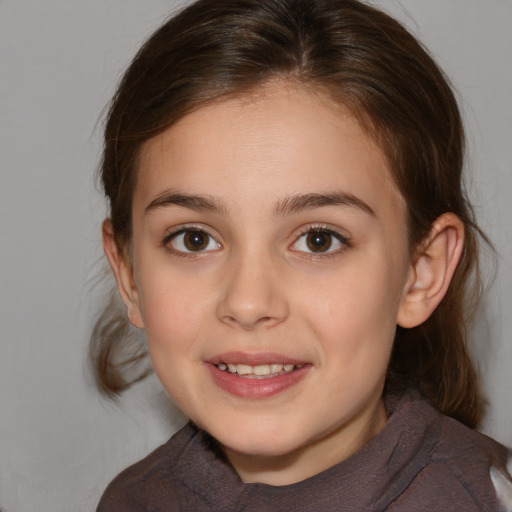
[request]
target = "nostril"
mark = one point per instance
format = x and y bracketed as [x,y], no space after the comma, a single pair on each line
[265,320]
[250,323]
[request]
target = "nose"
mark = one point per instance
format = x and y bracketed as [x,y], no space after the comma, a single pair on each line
[253,294]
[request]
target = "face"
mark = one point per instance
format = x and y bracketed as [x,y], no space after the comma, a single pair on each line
[269,267]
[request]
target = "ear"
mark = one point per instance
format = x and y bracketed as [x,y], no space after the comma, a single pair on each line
[122,269]
[432,270]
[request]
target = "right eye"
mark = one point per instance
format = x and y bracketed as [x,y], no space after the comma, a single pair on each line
[192,240]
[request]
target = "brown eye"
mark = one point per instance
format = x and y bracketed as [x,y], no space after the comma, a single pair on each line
[192,240]
[319,241]
[195,240]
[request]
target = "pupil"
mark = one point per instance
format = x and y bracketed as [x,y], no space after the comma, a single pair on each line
[195,240]
[319,242]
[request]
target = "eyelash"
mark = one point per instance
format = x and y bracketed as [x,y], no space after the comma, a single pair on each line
[323,230]
[183,230]
[320,229]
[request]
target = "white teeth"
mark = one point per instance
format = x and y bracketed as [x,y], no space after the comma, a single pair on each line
[259,370]
[243,369]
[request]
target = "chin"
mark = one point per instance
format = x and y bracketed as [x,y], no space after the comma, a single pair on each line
[259,442]
[259,450]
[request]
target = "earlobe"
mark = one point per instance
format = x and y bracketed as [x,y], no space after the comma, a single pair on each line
[432,270]
[123,274]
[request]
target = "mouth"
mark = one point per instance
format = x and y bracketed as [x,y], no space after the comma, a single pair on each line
[256,376]
[259,371]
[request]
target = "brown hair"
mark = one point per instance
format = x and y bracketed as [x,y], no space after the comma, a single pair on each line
[359,57]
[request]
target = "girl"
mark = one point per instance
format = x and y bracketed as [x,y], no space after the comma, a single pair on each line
[288,225]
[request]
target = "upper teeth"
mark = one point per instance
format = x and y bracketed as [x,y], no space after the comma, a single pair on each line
[259,370]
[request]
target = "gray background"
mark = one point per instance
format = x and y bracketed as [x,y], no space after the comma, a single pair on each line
[60,444]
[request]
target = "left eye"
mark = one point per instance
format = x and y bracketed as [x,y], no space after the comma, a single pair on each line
[191,240]
[320,241]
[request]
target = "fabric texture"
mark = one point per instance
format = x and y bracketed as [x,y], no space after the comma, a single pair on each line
[420,461]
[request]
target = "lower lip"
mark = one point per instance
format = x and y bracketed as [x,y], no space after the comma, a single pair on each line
[247,387]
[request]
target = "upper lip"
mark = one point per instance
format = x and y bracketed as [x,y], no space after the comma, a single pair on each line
[253,358]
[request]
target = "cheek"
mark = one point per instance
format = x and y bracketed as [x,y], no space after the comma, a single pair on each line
[172,318]
[356,315]
[172,309]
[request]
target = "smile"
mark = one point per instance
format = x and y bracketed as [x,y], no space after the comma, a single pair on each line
[254,376]
[260,371]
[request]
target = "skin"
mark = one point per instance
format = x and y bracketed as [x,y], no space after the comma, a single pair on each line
[257,287]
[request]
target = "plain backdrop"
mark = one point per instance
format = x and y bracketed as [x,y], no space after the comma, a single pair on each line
[60,443]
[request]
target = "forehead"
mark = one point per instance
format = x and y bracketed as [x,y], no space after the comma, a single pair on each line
[280,140]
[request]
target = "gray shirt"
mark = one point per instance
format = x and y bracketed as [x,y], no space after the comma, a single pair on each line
[421,460]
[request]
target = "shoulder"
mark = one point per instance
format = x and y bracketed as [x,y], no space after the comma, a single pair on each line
[456,472]
[152,479]
[468,456]
[461,446]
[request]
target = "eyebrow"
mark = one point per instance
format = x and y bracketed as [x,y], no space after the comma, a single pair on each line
[301,202]
[290,204]
[190,201]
